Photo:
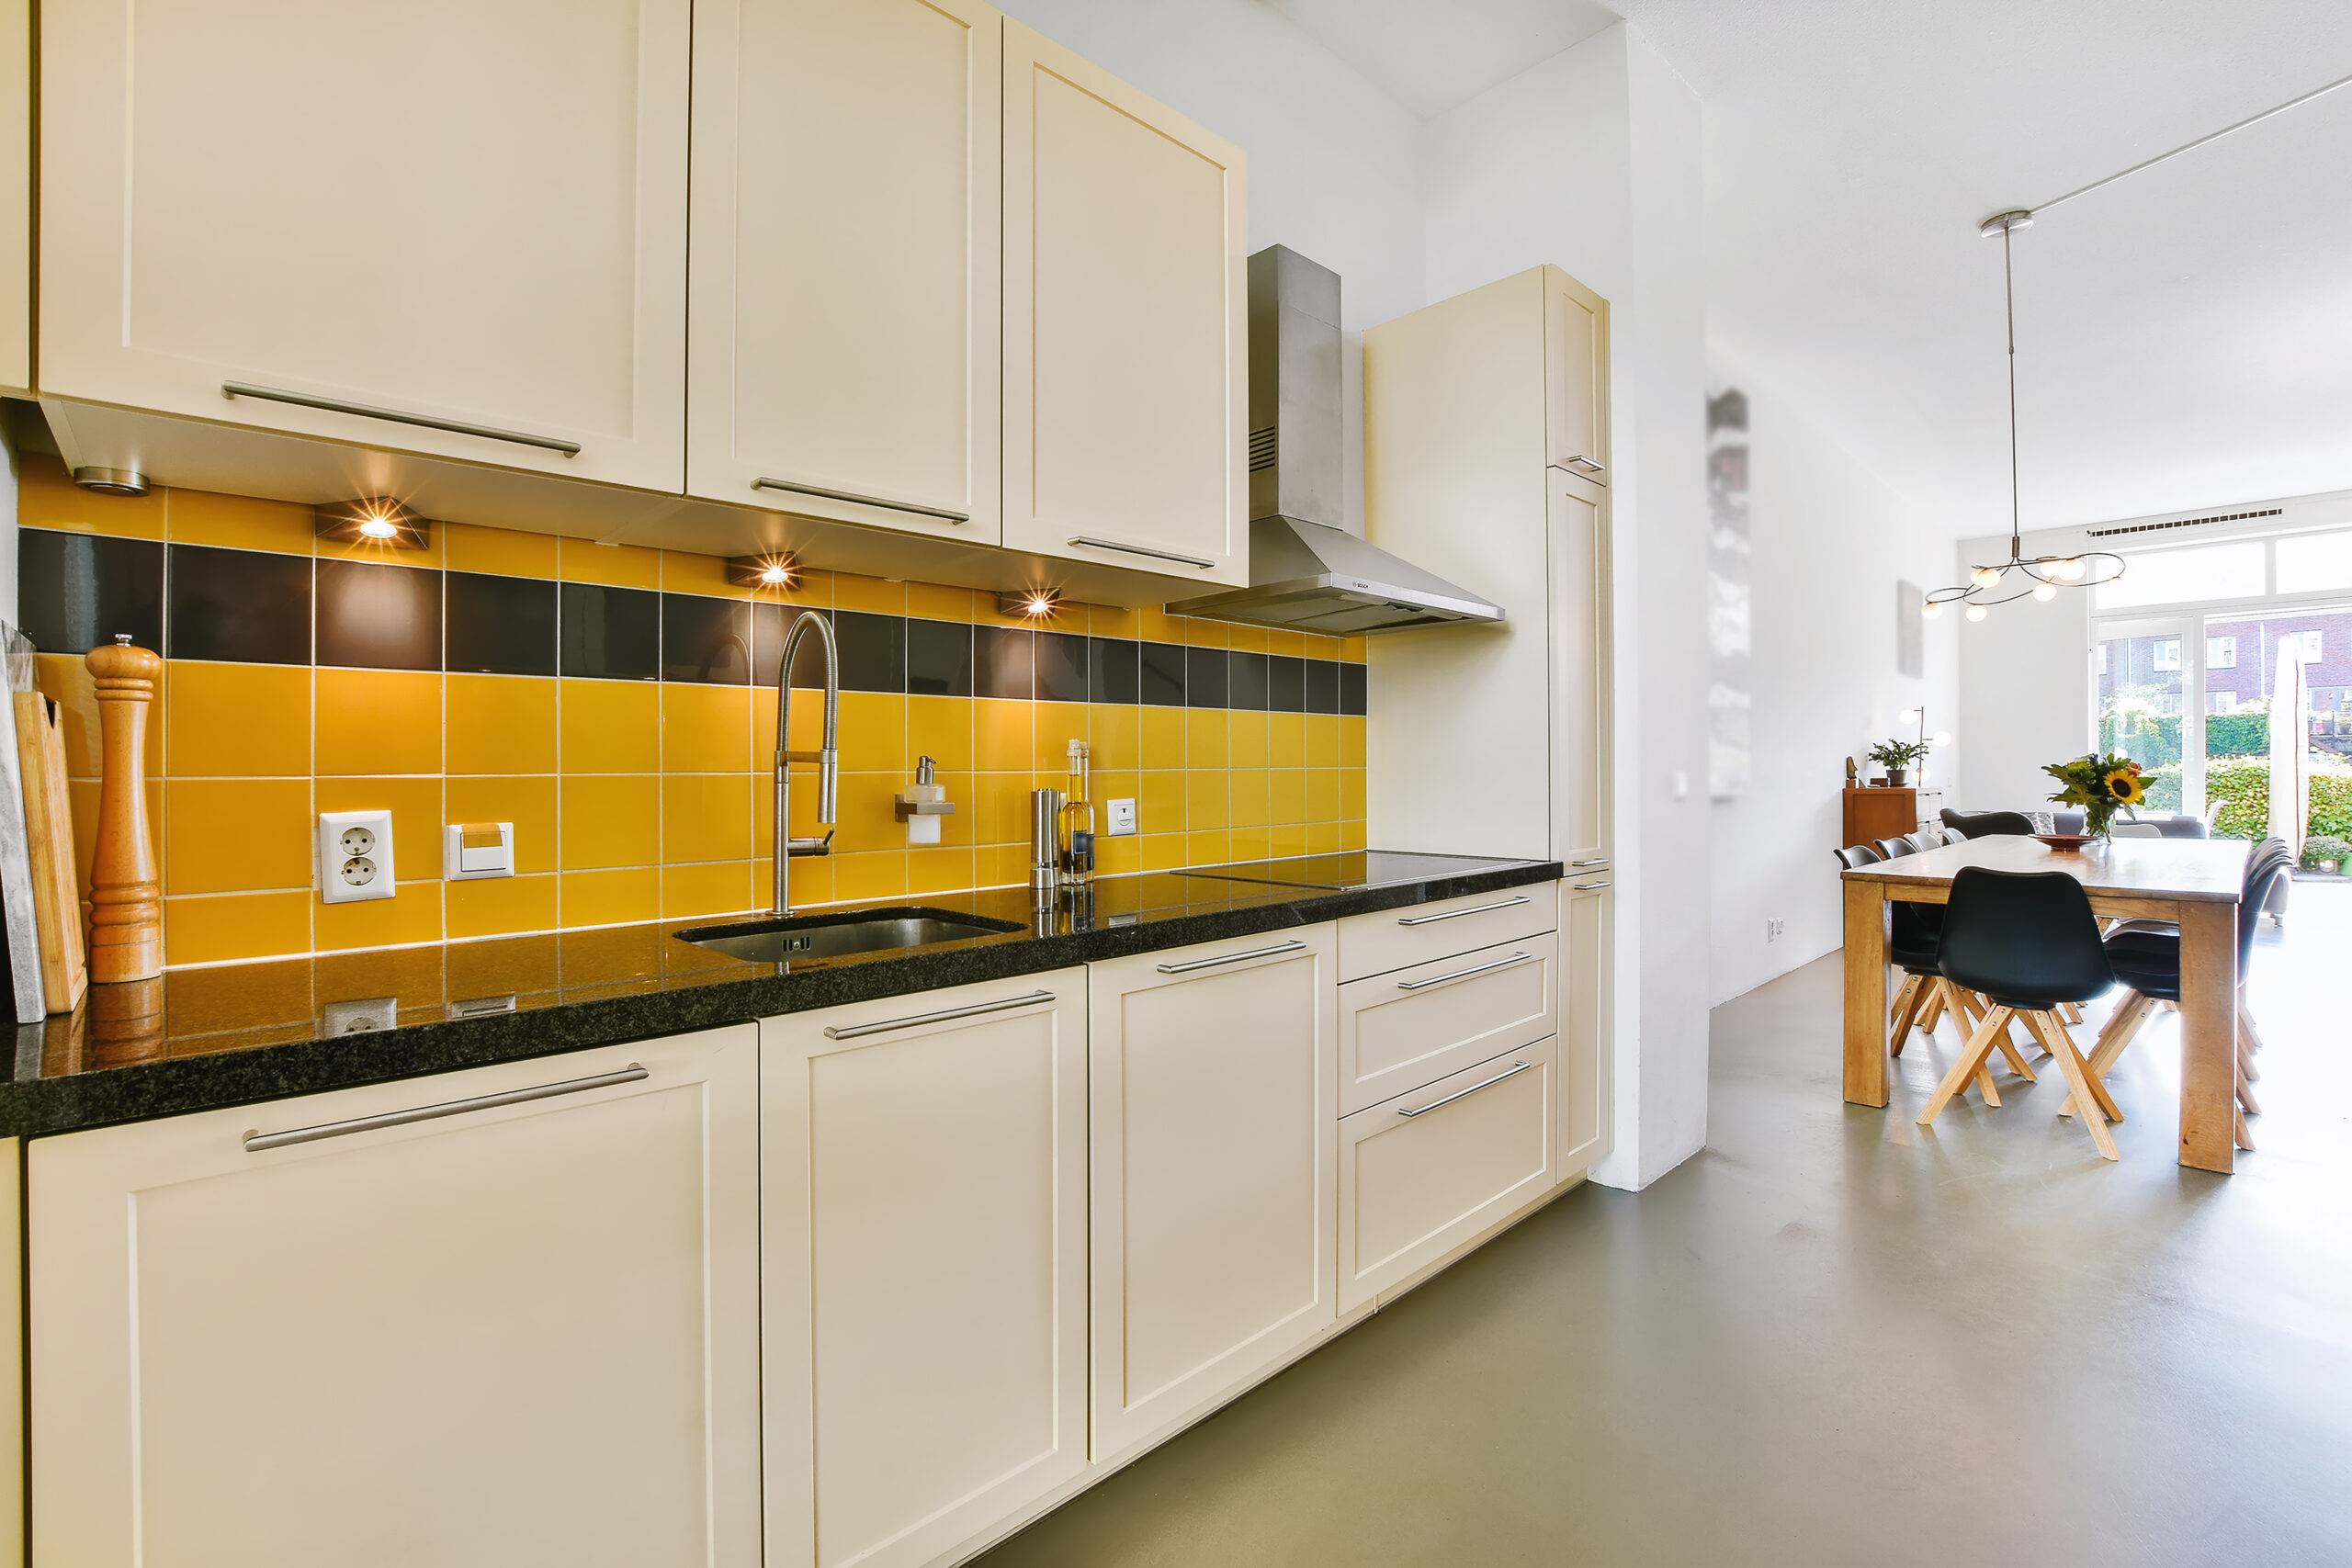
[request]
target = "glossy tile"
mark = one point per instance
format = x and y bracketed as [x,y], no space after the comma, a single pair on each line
[878,876]
[412,914]
[1113,671]
[1001,733]
[616,898]
[869,594]
[940,870]
[1061,668]
[235,835]
[873,736]
[1116,731]
[1208,799]
[1163,674]
[705,640]
[502,625]
[1163,738]
[706,729]
[938,659]
[378,617]
[527,800]
[1245,680]
[691,892]
[608,726]
[1207,744]
[74,591]
[609,633]
[1204,677]
[498,906]
[706,817]
[1285,741]
[499,724]
[1353,690]
[506,551]
[47,498]
[1057,725]
[227,927]
[1004,662]
[771,624]
[609,820]
[1322,686]
[236,720]
[251,606]
[941,729]
[378,721]
[938,601]
[1285,684]
[613,566]
[1245,739]
[873,651]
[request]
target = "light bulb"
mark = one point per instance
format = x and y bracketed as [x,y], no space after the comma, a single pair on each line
[1985,576]
[775,572]
[2045,591]
[1931,610]
[1940,738]
[1977,611]
[2071,569]
[377,529]
[1040,605]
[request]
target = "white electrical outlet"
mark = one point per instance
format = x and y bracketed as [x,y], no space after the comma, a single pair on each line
[355,856]
[1121,819]
[1774,930]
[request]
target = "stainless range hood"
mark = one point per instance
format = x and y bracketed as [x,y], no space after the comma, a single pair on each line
[1306,571]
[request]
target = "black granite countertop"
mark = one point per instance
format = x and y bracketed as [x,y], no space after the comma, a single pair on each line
[238,1034]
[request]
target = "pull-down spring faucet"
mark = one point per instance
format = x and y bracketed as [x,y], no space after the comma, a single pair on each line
[827,758]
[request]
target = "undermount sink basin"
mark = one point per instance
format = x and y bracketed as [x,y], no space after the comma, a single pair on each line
[833,936]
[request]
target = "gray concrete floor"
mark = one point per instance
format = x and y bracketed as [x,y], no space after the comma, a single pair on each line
[1835,1337]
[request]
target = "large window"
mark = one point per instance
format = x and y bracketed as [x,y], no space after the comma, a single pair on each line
[2221,653]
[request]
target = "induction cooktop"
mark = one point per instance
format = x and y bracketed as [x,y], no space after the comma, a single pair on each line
[1354,869]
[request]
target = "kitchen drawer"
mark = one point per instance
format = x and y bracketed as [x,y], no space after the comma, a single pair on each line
[1410,1027]
[1396,939]
[1426,1172]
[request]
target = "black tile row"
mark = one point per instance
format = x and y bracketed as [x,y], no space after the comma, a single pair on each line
[77,590]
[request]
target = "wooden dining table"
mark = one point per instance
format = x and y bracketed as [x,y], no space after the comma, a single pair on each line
[2193,883]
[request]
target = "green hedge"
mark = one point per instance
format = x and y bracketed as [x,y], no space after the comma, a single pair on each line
[2242,788]
[2152,741]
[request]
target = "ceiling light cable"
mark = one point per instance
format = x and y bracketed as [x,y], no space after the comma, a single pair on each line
[2040,207]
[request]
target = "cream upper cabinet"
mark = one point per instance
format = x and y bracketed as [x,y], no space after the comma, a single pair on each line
[1585,987]
[445,227]
[1125,316]
[513,1318]
[845,314]
[1579,631]
[1214,1086]
[923,1253]
[1576,334]
[15,196]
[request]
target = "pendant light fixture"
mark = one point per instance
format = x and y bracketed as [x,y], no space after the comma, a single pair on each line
[2020,576]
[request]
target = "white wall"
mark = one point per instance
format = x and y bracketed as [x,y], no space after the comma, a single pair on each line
[1591,159]
[1829,540]
[1334,163]
[2025,685]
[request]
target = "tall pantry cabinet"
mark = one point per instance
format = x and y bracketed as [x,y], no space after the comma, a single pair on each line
[1486,460]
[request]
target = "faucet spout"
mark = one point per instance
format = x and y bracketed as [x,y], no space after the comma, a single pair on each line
[827,756]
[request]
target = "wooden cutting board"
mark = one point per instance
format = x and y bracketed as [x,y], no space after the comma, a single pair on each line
[49,823]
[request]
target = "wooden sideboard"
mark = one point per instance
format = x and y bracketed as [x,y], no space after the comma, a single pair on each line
[1875,814]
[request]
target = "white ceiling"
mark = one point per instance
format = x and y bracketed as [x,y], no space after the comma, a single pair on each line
[1430,58]
[2185,336]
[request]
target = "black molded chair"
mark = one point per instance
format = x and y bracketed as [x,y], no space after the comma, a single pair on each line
[2145,955]
[2029,942]
[1853,857]
[1985,824]
[1912,931]
[1896,848]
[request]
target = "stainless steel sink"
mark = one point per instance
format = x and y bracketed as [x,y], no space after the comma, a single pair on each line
[834,936]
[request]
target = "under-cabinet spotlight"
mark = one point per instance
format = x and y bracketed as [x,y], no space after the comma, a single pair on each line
[1034,604]
[763,571]
[373,520]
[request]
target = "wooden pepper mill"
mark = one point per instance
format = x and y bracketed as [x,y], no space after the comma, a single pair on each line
[126,897]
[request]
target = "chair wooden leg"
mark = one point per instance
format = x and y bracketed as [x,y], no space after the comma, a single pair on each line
[2054,1033]
[2076,1072]
[2246,1024]
[2238,1134]
[2071,1013]
[1932,1012]
[2129,1018]
[1975,1007]
[1906,1008]
[1971,1065]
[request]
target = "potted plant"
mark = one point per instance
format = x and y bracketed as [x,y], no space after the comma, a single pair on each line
[2326,853]
[1897,757]
[2100,785]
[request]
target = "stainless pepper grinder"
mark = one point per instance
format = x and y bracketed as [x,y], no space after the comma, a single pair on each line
[1044,836]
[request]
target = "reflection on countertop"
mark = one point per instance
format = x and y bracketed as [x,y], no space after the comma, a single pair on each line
[341,1019]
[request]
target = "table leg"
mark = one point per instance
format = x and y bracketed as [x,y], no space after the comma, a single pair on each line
[2209,975]
[1866,995]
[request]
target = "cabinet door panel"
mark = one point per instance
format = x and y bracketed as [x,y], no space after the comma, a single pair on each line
[1575,331]
[924,1260]
[461,211]
[519,1332]
[1214,1114]
[1125,315]
[846,310]
[1424,1173]
[15,196]
[1580,663]
[1585,1031]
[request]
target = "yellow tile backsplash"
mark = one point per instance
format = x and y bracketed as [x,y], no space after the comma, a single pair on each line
[647,798]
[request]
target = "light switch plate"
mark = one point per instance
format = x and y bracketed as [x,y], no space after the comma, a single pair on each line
[461,863]
[1122,819]
[355,856]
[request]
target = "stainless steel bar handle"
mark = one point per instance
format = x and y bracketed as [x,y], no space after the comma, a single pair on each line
[400,416]
[1187,967]
[256,1142]
[945,1015]
[1457,914]
[1587,465]
[1513,1071]
[856,500]
[1094,544]
[1464,974]
[1589,887]
[1587,864]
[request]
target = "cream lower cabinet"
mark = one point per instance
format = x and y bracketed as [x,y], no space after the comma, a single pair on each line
[444,228]
[507,1315]
[1126,319]
[1424,1175]
[1587,912]
[923,1218]
[1581,706]
[1214,1110]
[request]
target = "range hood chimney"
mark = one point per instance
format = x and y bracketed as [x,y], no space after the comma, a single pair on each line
[1306,571]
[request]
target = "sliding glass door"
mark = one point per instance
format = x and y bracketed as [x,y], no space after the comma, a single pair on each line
[2145,669]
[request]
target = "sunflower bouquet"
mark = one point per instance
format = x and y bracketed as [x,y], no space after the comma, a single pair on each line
[2100,785]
